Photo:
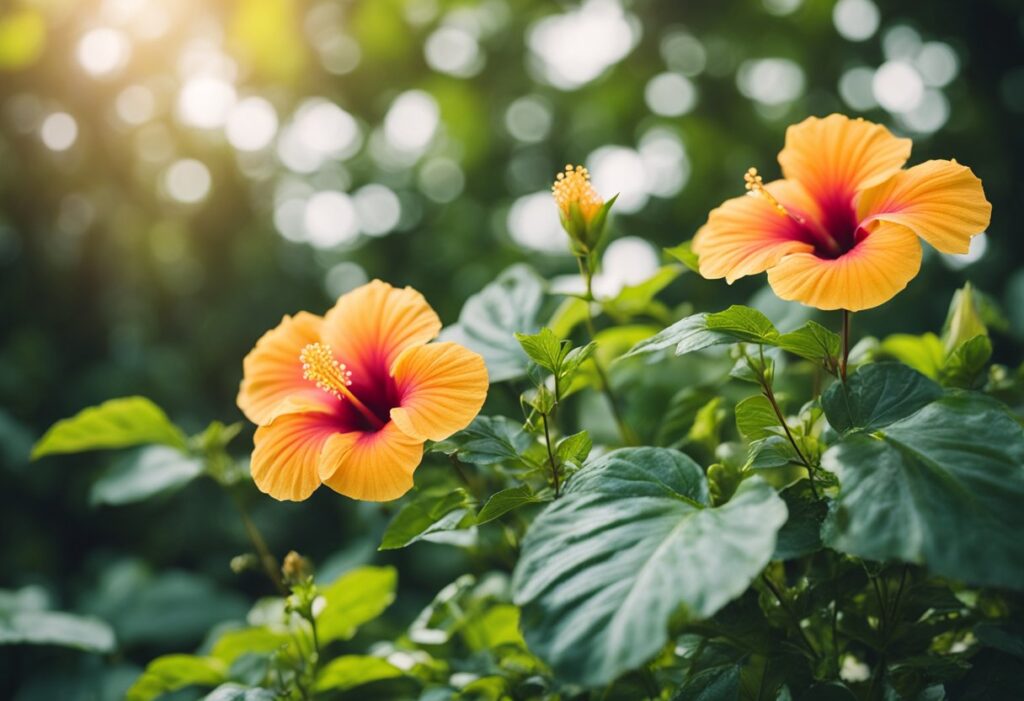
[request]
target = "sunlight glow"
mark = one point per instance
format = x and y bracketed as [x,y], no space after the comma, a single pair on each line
[59,131]
[102,51]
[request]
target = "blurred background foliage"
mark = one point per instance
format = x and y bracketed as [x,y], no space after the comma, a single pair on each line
[175,176]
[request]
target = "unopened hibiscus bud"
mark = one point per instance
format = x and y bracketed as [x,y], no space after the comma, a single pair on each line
[583,212]
[964,320]
[296,568]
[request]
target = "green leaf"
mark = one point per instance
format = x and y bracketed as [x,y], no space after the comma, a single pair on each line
[245,641]
[349,671]
[923,353]
[427,513]
[632,541]
[487,441]
[574,448]
[544,348]
[769,452]
[685,255]
[354,599]
[153,470]
[507,500]
[950,470]
[117,423]
[680,415]
[237,692]
[721,683]
[490,318]
[875,396]
[173,672]
[801,534]
[31,626]
[813,342]
[967,361]
[686,336]
[743,324]
[639,299]
[755,418]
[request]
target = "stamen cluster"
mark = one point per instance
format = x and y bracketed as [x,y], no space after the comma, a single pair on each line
[573,186]
[321,367]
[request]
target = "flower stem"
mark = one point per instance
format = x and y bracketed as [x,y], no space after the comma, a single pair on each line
[846,344]
[588,278]
[551,456]
[267,560]
[789,611]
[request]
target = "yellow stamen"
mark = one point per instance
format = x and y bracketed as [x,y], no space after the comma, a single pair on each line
[755,187]
[321,367]
[573,186]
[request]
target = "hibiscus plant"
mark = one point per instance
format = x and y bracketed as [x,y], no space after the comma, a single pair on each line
[658,503]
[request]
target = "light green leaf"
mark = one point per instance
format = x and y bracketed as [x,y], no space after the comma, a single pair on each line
[32,626]
[235,643]
[354,599]
[635,300]
[770,452]
[743,324]
[923,353]
[965,364]
[427,513]
[544,348]
[875,396]
[755,418]
[349,671]
[173,672]
[963,322]
[153,470]
[685,255]
[117,423]
[632,541]
[507,500]
[487,441]
[686,336]
[574,448]
[955,467]
[237,692]
[813,342]
[490,318]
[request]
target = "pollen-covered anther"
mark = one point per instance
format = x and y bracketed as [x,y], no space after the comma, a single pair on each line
[321,367]
[572,186]
[755,187]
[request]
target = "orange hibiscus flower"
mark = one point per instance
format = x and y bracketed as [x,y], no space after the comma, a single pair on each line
[840,231]
[348,399]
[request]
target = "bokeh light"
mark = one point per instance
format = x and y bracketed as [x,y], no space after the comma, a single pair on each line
[103,51]
[187,181]
[59,131]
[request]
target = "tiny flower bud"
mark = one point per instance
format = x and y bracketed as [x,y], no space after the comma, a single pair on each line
[296,568]
[581,209]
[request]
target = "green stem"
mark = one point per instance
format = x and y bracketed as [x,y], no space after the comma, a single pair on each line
[789,612]
[551,455]
[769,394]
[267,560]
[846,345]
[588,278]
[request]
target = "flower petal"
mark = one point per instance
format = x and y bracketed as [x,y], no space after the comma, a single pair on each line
[374,466]
[943,202]
[287,454]
[835,156]
[441,386]
[272,381]
[868,275]
[747,235]
[368,327]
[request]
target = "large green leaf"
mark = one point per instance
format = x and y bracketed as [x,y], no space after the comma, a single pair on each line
[877,395]
[507,500]
[813,342]
[153,470]
[429,512]
[490,318]
[37,627]
[173,672]
[685,336]
[354,599]
[942,487]
[488,440]
[117,423]
[632,541]
[349,671]
[743,324]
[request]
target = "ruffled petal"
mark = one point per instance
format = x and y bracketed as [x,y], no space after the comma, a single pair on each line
[868,275]
[747,235]
[374,466]
[835,156]
[272,382]
[368,327]
[286,457]
[943,202]
[441,386]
